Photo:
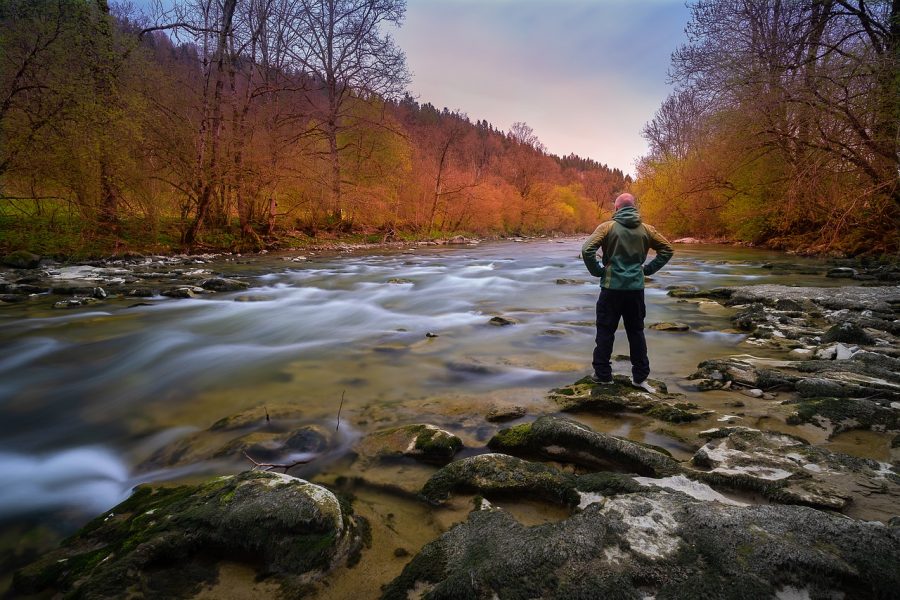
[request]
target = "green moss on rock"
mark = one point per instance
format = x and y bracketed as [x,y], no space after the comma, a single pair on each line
[285,527]
[500,474]
[845,414]
[566,440]
[423,442]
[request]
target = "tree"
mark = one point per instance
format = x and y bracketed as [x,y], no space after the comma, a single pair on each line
[341,45]
[797,100]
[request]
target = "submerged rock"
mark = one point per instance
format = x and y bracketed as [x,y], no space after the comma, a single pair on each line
[420,441]
[657,544]
[498,414]
[165,542]
[274,434]
[565,440]
[669,327]
[501,321]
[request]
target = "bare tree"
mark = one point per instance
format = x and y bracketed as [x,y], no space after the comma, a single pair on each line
[343,46]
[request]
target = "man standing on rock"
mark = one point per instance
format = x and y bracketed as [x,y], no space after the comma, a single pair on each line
[625,242]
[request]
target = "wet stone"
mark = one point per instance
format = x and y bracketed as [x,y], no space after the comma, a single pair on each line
[656,544]
[669,327]
[501,321]
[500,474]
[221,284]
[787,469]
[848,333]
[499,414]
[565,440]
[423,442]
[287,529]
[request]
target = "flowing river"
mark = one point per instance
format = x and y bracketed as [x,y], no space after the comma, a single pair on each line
[88,394]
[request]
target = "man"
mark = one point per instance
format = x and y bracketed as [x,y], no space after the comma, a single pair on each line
[624,242]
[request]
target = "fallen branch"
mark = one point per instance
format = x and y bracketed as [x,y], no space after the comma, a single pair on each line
[258,466]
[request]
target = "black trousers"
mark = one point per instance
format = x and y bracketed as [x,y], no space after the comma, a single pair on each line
[629,306]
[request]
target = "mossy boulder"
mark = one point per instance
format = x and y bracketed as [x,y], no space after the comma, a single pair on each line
[657,544]
[21,259]
[569,441]
[499,474]
[165,542]
[423,442]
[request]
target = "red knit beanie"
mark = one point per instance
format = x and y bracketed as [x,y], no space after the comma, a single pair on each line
[624,200]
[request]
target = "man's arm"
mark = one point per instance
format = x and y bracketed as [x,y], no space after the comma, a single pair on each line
[590,247]
[663,251]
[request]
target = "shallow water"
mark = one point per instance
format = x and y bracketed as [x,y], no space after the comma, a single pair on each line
[87,394]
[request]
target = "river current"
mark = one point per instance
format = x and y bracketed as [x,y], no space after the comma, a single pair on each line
[87,394]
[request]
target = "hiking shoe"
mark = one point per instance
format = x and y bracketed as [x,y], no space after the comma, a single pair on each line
[643,385]
[596,380]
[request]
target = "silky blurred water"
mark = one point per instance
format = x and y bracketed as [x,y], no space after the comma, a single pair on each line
[85,394]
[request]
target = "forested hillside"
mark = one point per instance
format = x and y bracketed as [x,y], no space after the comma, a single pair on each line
[783,127]
[229,124]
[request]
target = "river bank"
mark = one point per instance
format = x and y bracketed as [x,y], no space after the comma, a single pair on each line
[619,454]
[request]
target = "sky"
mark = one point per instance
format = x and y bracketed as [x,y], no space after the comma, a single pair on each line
[586,75]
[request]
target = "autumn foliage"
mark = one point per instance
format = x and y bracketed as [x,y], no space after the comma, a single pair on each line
[222,123]
[784,128]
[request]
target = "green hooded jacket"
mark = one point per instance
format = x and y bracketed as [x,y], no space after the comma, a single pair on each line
[625,242]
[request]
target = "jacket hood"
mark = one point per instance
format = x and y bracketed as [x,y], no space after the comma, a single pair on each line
[627,216]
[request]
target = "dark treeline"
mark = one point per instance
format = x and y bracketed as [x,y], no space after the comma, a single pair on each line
[229,121]
[783,127]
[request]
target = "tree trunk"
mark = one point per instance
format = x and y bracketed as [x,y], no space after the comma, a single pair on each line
[210,172]
[105,71]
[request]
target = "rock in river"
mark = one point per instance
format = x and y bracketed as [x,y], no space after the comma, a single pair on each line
[166,542]
[658,544]
[787,469]
[670,326]
[420,441]
[501,474]
[276,433]
[222,284]
[565,440]
[621,396]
